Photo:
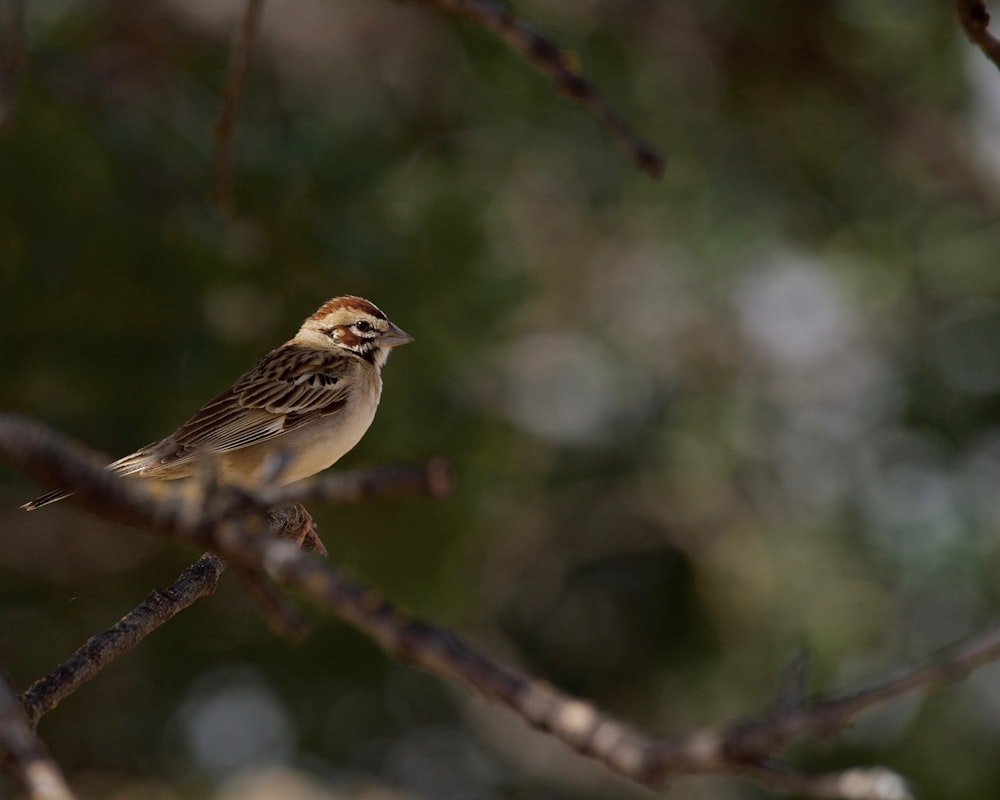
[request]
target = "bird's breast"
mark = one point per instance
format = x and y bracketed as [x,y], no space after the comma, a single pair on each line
[316,446]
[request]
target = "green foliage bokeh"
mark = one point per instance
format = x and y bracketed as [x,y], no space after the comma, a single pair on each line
[698,424]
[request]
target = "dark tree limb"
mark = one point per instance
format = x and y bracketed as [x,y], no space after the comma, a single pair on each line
[560,66]
[224,130]
[742,748]
[975,21]
[184,509]
[25,756]
[433,479]
[226,522]
[50,458]
[197,581]
[827,715]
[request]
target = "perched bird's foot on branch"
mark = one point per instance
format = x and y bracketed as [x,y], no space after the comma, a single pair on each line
[297,524]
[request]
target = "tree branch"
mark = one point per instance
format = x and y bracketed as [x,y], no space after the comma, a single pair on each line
[827,715]
[25,755]
[975,20]
[434,479]
[228,523]
[224,129]
[50,458]
[560,66]
[197,581]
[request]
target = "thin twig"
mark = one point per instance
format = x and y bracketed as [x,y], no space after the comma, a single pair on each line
[975,20]
[827,715]
[197,581]
[432,479]
[560,66]
[232,96]
[12,56]
[25,755]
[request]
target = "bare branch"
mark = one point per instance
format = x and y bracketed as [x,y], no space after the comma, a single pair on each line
[182,512]
[225,125]
[827,715]
[746,748]
[433,479]
[975,20]
[197,581]
[25,755]
[12,56]
[621,748]
[182,508]
[560,66]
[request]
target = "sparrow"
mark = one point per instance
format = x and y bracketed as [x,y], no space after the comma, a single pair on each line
[302,406]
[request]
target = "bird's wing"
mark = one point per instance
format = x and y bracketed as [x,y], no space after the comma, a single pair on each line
[286,389]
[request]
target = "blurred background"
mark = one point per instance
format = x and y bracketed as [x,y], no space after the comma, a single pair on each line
[699,425]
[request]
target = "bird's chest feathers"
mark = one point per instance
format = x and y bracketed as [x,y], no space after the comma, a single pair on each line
[320,444]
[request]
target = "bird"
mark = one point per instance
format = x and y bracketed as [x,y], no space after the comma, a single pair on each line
[300,407]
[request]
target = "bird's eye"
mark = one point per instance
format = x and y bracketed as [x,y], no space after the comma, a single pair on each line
[362,326]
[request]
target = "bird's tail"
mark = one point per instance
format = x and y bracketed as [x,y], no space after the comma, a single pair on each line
[129,465]
[49,497]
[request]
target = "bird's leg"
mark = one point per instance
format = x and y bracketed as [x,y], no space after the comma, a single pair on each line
[300,527]
[308,538]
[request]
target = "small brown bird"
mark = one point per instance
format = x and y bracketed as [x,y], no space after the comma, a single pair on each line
[308,402]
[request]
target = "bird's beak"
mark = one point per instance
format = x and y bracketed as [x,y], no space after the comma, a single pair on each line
[394,337]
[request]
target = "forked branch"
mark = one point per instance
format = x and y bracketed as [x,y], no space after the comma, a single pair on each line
[230,524]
